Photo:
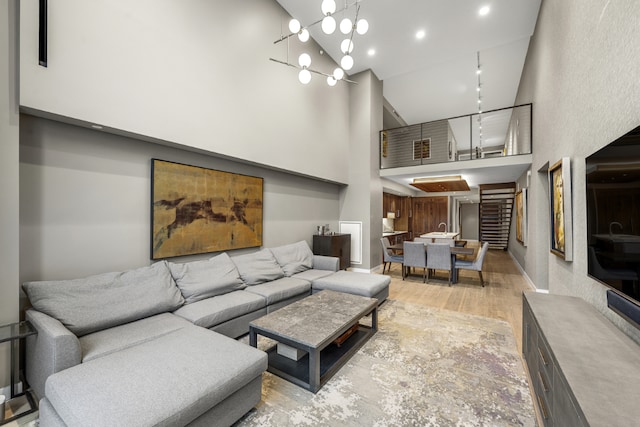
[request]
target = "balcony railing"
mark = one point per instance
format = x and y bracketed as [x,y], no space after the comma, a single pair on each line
[495,133]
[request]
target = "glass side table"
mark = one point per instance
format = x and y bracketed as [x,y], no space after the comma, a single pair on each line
[14,332]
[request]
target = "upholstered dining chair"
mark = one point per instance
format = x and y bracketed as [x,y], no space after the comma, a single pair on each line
[389,256]
[476,264]
[438,258]
[415,256]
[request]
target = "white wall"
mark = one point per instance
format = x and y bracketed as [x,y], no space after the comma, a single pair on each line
[195,73]
[581,74]
[85,200]
[9,134]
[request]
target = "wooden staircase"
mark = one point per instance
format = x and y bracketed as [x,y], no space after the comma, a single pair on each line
[496,208]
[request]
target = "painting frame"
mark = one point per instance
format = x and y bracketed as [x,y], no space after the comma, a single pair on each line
[521,216]
[196,210]
[561,233]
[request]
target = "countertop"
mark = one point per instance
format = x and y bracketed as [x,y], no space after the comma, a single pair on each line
[440,235]
[394,233]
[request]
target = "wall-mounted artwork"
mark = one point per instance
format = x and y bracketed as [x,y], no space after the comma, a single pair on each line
[521,216]
[561,220]
[197,210]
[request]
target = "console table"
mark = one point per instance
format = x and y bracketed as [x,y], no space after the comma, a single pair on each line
[337,245]
[583,370]
[13,333]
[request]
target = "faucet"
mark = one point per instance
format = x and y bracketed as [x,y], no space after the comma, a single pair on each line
[445,226]
[611,227]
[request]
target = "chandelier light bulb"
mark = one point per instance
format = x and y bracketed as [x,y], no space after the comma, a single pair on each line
[362,26]
[331,81]
[328,24]
[304,60]
[328,7]
[304,76]
[338,73]
[294,26]
[303,35]
[346,62]
[346,46]
[346,26]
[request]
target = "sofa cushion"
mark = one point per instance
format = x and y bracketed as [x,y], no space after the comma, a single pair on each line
[106,300]
[213,311]
[118,338]
[281,289]
[351,282]
[258,267]
[204,279]
[313,274]
[294,258]
[168,381]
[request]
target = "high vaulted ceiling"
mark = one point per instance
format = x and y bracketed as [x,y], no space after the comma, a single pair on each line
[434,77]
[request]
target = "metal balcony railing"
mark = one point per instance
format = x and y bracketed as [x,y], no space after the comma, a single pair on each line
[495,133]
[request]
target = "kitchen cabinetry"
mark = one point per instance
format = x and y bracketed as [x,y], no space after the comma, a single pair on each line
[582,369]
[337,245]
[428,212]
[401,208]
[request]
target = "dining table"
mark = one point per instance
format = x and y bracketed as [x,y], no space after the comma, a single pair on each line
[455,250]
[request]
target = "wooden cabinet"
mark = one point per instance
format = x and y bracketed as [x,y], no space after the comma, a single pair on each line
[337,245]
[577,360]
[428,212]
[401,208]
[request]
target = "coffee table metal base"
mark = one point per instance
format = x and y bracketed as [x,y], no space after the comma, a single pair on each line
[314,369]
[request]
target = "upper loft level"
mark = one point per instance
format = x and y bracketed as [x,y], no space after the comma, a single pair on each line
[497,133]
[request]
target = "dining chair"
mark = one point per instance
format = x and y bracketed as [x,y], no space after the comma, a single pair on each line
[415,256]
[438,258]
[476,264]
[389,256]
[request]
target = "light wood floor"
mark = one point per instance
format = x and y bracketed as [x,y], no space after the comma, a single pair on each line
[501,298]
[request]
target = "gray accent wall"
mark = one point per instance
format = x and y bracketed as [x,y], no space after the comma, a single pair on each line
[581,74]
[85,200]
[9,145]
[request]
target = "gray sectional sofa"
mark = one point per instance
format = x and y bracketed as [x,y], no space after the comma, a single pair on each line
[155,346]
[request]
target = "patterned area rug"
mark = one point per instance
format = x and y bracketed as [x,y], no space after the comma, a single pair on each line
[424,367]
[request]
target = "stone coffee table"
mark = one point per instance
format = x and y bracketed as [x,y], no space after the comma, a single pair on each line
[309,327]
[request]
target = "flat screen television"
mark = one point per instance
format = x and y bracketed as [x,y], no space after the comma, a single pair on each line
[613,222]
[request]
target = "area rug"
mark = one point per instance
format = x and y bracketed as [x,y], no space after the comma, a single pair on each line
[424,367]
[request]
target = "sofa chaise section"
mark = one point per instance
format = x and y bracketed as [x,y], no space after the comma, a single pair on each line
[65,311]
[176,379]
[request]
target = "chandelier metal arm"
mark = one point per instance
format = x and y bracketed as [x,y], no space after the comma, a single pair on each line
[310,70]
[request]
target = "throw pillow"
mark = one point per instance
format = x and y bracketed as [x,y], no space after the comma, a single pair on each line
[258,267]
[294,258]
[106,300]
[199,280]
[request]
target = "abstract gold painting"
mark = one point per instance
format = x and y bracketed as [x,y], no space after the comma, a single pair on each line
[197,210]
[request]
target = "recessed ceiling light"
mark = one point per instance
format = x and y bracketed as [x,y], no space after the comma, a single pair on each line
[421,34]
[371,52]
[484,10]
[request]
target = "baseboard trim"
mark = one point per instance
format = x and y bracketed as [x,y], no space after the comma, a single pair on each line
[526,276]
